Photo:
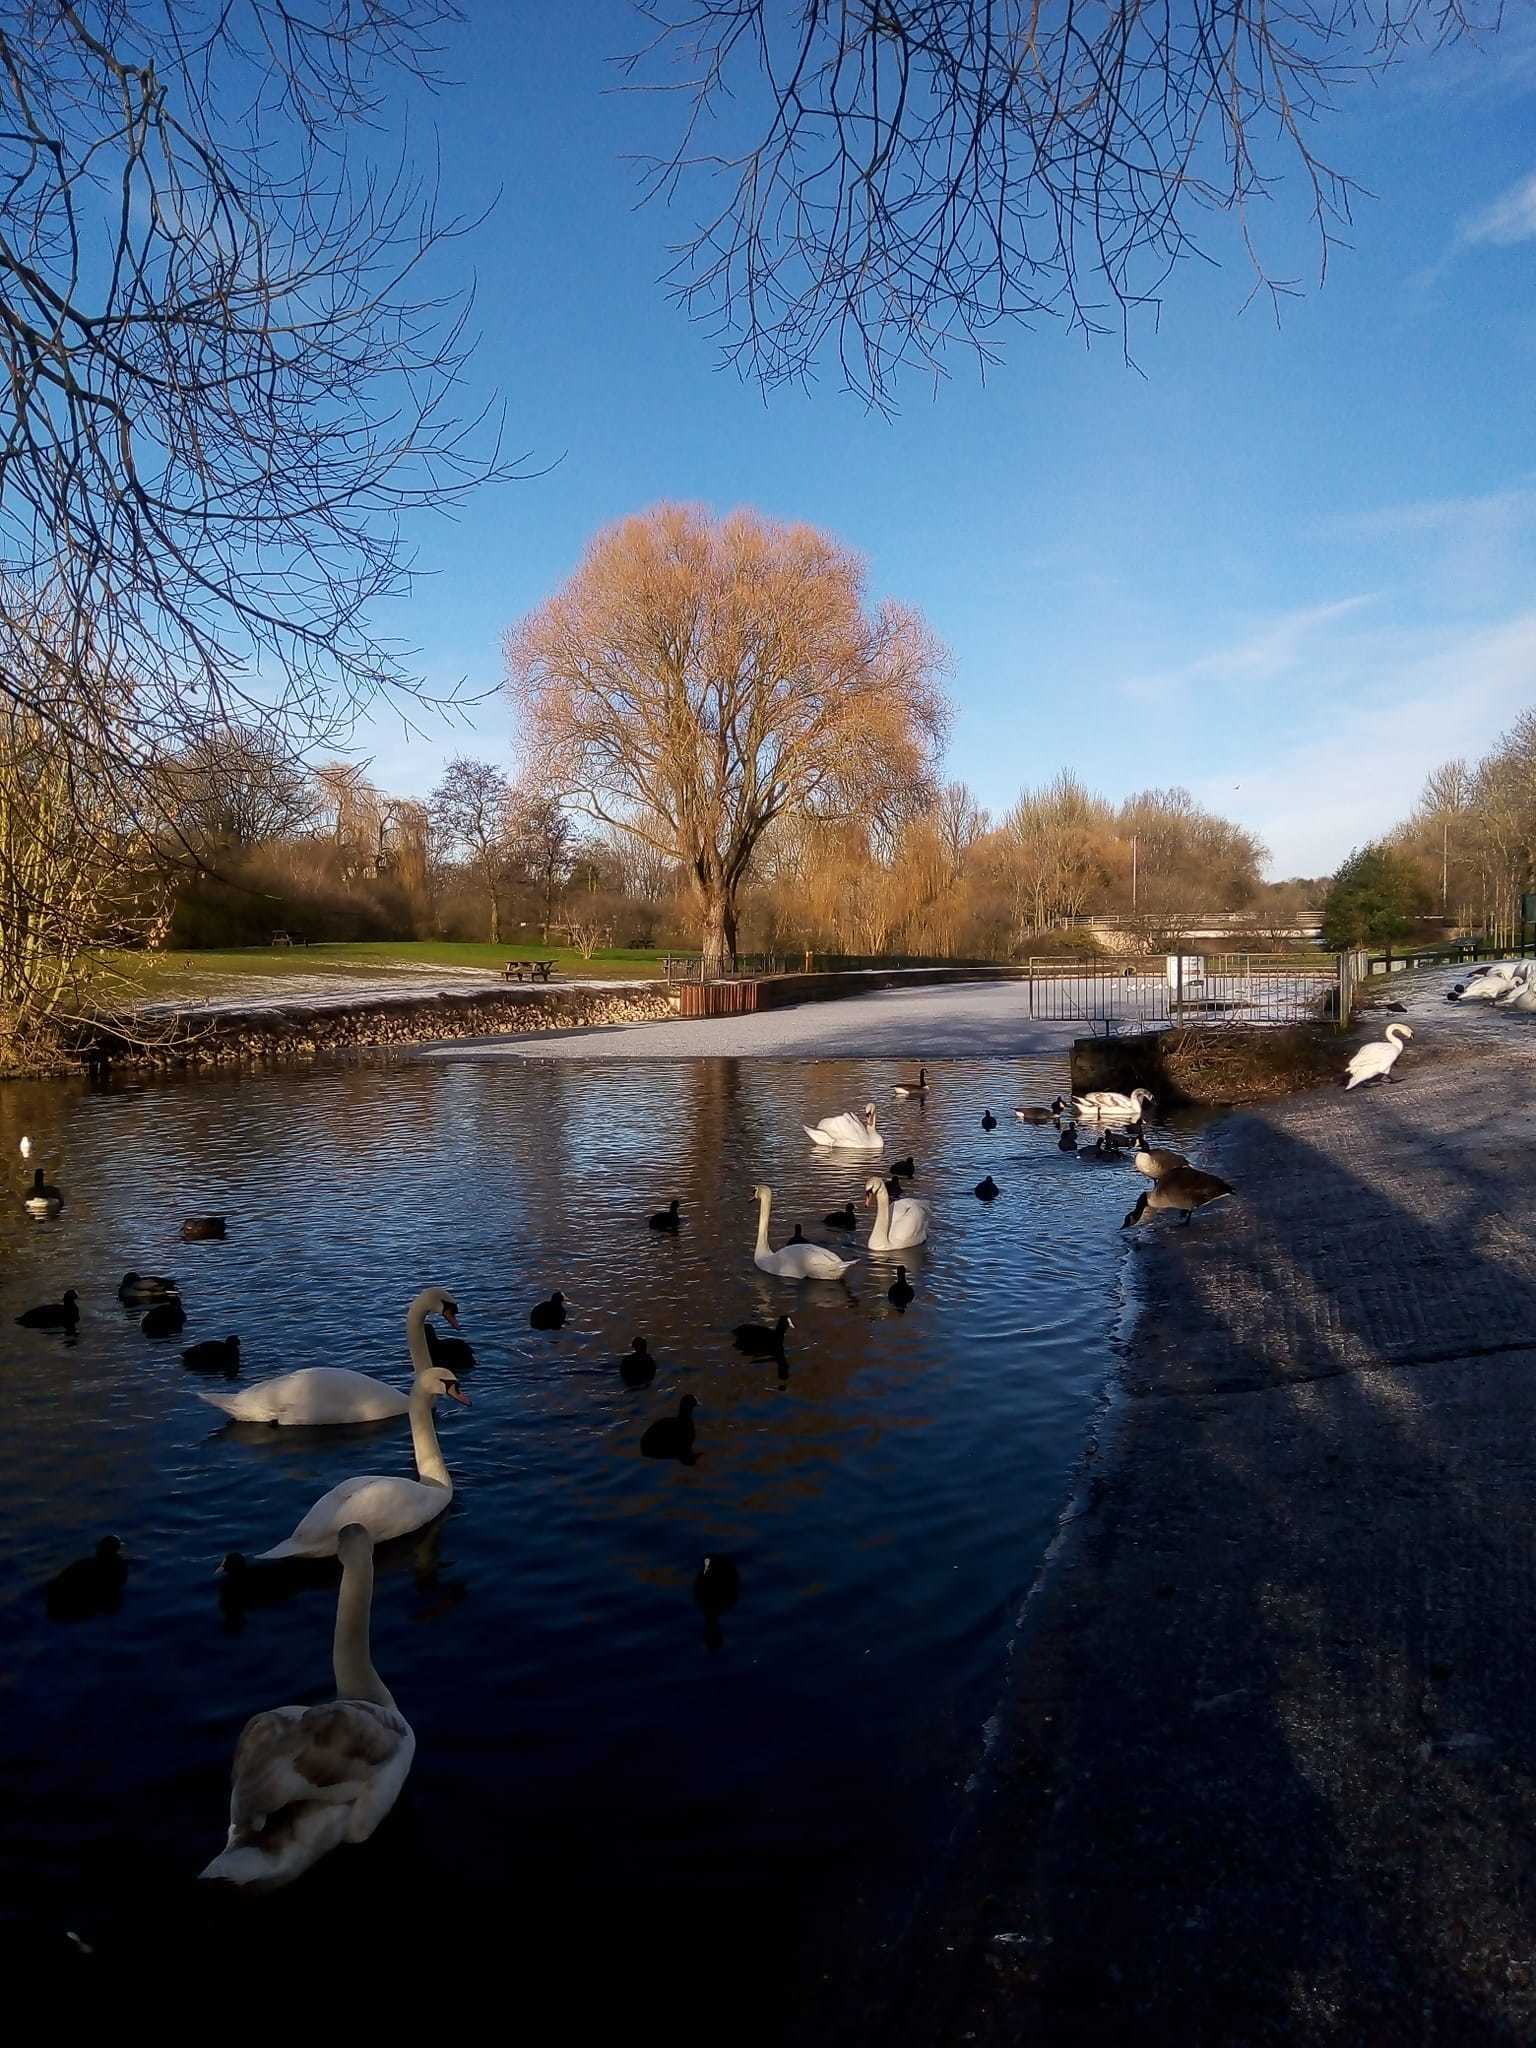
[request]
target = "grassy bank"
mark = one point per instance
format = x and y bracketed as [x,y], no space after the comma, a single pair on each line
[167,977]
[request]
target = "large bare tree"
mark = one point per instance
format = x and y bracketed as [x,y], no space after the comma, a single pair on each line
[698,678]
[877,179]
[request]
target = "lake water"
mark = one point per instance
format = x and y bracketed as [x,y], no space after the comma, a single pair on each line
[769,1803]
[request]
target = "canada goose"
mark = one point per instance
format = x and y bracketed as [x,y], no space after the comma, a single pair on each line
[197,1227]
[988,1120]
[52,1315]
[987,1190]
[637,1368]
[762,1340]
[1033,1114]
[42,1199]
[91,1585]
[1181,1188]
[1156,1160]
[1378,1058]
[841,1219]
[548,1315]
[917,1087]
[138,1287]
[899,1292]
[668,1218]
[903,1169]
[454,1354]
[671,1436]
[1067,1142]
[164,1318]
[214,1354]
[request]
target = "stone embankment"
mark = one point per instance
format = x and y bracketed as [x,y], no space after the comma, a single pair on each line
[295,1031]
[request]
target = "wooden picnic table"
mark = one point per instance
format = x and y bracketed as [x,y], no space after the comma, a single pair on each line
[528,970]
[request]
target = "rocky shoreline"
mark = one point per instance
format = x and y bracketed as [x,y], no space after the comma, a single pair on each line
[296,1031]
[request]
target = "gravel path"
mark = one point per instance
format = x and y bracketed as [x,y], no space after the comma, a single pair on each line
[954,1020]
[1271,1769]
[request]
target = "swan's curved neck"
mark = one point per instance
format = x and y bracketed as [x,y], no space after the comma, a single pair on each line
[882,1204]
[416,1332]
[764,1204]
[356,1678]
[869,1118]
[1395,1033]
[429,1456]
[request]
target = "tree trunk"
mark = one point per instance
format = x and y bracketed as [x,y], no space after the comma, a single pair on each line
[718,936]
[495,917]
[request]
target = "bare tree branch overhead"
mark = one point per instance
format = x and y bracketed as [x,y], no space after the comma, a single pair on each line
[877,180]
[231,359]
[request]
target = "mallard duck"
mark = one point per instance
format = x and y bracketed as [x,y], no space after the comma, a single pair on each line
[197,1227]
[139,1287]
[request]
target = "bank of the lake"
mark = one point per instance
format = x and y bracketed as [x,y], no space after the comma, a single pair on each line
[1269,1765]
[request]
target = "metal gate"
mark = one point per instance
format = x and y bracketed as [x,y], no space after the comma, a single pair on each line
[1192,988]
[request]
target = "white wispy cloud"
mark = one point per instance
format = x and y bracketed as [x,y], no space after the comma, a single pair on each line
[1271,650]
[1403,702]
[1509,219]
[1502,512]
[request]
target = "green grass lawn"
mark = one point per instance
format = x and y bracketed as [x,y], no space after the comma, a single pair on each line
[164,976]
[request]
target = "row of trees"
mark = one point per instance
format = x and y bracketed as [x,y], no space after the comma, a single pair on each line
[1466,852]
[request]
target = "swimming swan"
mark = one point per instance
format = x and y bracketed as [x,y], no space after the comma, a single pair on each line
[384,1507]
[324,1394]
[307,1779]
[1378,1057]
[1109,1106]
[897,1224]
[847,1132]
[792,1261]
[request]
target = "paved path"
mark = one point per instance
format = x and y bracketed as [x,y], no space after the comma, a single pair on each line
[1272,1773]
[953,1020]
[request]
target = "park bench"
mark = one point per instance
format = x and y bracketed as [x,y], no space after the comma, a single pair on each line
[528,970]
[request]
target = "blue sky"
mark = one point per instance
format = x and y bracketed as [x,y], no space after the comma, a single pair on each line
[1289,566]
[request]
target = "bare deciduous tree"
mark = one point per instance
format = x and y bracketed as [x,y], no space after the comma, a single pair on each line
[224,383]
[470,804]
[882,178]
[698,678]
[541,843]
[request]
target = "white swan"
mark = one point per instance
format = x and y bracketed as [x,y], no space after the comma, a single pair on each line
[847,1132]
[1110,1107]
[1518,995]
[320,1394]
[385,1507]
[1378,1057]
[307,1779]
[897,1224]
[793,1261]
[1490,984]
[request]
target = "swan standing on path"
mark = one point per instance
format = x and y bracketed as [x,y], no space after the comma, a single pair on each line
[897,1224]
[1379,1057]
[384,1507]
[307,1779]
[846,1132]
[325,1394]
[792,1261]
